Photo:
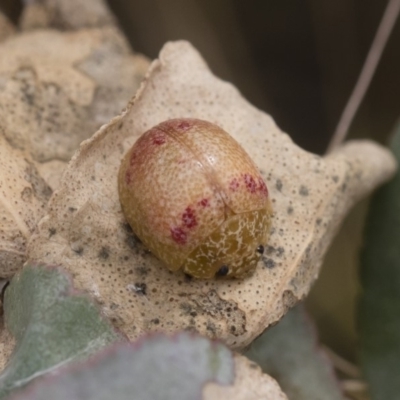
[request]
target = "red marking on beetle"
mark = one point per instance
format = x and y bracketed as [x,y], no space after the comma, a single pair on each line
[234,185]
[184,125]
[250,183]
[128,176]
[262,187]
[132,158]
[204,203]
[178,235]
[158,138]
[189,218]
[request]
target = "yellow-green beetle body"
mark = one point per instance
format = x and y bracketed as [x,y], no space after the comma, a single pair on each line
[196,199]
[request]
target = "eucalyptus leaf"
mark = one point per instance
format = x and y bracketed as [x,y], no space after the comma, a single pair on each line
[289,353]
[310,197]
[379,308]
[52,324]
[158,367]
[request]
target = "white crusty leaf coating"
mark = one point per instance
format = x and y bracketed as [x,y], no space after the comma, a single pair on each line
[23,198]
[58,88]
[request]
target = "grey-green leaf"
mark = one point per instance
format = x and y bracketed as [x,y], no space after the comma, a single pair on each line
[52,324]
[379,307]
[289,353]
[156,368]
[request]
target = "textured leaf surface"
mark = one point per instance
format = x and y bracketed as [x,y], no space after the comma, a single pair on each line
[155,368]
[289,353]
[23,197]
[379,308]
[86,231]
[51,323]
[58,88]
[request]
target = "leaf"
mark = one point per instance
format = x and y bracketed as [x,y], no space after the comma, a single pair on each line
[54,93]
[379,307]
[289,353]
[310,197]
[23,197]
[52,324]
[62,86]
[158,367]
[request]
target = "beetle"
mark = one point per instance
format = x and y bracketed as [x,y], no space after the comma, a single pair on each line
[195,198]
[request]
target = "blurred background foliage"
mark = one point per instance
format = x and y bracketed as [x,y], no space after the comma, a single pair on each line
[299,61]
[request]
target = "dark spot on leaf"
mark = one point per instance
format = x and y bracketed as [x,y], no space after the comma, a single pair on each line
[133,241]
[303,190]
[104,253]
[269,262]
[191,329]
[52,232]
[279,184]
[26,194]
[140,288]
[278,251]
[186,308]
[142,270]
[269,250]
[145,252]
[127,227]
[211,327]
[79,251]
